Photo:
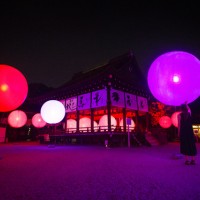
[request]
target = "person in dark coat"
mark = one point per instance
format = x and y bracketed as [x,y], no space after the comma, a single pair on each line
[186,134]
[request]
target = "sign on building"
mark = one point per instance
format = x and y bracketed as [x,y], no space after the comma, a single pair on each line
[84,101]
[142,104]
[71,104]
[117,98]
[131,101]
[99,98]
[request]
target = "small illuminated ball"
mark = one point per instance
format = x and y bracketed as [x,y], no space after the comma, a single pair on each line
[174,118]
[52,111]
[131,127]
[37,121]
[173,78]
[165,122]
[13,88]
[17,119]
[85,124]
[71,124]
[104,121]
[96,126]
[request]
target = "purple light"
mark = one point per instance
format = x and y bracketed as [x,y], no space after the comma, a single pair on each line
[176,79]
[173,78]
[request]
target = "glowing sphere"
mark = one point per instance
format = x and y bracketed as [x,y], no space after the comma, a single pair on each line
[104,121]
[85,124]
[37,121]
[174,118]
[71,125]
[131,127]
[165,122]
[173,78]
[13,88]
[52,111]
[96,126]
[17,118]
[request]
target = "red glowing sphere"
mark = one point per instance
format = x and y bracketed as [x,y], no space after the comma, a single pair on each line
[37,121]
[174,118]
[17,118]
[173,78]
[165,122]
[13,88]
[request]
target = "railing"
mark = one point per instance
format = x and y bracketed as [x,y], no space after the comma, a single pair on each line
[99,129]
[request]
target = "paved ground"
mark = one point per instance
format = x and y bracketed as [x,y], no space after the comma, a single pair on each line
[30,171]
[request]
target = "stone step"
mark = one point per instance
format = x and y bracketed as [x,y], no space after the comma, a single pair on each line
[152,140]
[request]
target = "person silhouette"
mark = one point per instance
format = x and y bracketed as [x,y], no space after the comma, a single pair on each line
[186,134]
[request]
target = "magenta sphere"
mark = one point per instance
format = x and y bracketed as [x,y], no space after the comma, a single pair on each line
[17,118]
[165,122]
[173,78]
[13,88]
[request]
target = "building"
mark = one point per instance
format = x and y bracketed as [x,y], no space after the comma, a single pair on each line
[109,99]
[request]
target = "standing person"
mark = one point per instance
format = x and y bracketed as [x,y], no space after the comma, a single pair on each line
[187,138]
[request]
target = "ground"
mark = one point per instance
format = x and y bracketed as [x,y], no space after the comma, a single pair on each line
[30,170]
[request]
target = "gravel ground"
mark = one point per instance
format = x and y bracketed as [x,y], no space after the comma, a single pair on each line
[30,171]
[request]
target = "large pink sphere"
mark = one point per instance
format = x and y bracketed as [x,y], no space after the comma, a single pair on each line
[37,121]
[17,118]
[173,78]
[165,122]
[13,88]
[52,111]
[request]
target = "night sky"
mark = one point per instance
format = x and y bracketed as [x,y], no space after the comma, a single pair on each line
[49,42]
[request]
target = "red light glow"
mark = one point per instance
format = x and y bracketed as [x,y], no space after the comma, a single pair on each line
[165,122]
[13,88]
[17,119]
[37,121]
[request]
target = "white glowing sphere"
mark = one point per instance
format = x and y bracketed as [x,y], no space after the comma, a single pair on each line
[17,118]
[52,111]
[131,126]
[174,118]
[104,121]
[37,121]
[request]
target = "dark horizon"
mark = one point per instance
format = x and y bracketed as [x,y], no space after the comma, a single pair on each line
[50,42]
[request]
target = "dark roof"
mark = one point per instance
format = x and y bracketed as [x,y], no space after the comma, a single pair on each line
[124,67]
[121,72]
